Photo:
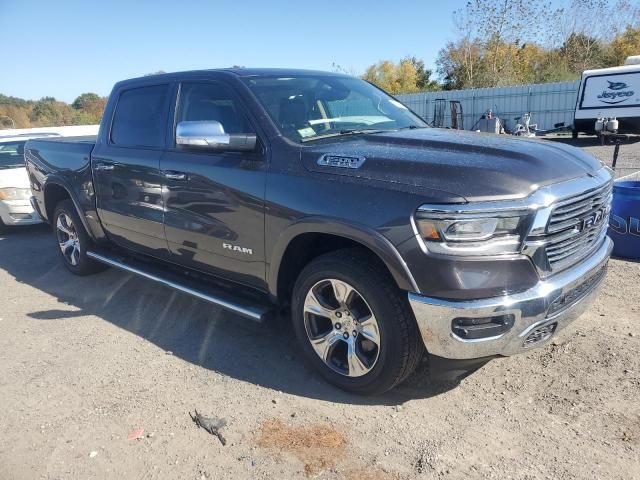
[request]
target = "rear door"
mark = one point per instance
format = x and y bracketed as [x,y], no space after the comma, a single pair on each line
[126,169]
[214,200]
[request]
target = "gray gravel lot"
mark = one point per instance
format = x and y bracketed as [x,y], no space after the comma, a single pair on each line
[628,157]
[86,361]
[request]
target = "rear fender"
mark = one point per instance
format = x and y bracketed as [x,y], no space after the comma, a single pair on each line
[84,203]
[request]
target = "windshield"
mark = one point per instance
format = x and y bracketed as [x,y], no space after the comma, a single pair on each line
[309,107]
[12,154]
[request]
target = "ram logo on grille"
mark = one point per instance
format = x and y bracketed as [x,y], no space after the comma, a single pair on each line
[593,220]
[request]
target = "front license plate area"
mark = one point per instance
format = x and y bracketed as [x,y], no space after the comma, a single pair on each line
[572,296]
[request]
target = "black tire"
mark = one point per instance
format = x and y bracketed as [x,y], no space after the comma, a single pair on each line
[3,227]
[400,345]
[574,134]
[71,222]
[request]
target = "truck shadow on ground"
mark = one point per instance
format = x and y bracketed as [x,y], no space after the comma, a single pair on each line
[193,330]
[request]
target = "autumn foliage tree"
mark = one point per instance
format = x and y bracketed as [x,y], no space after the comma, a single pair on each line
[509,42]
[85,110]
[625,45]
[406,76]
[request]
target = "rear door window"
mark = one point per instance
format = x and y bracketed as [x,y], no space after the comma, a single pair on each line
[140,117]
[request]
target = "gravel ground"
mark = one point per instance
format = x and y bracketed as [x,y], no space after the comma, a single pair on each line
[87,362]
[628,156]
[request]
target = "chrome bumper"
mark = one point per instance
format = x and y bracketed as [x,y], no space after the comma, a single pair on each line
[552,304]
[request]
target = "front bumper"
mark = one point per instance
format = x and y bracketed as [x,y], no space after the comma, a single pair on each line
[18,212]
[538,313]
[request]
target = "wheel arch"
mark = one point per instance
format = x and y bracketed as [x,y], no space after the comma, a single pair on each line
[55,191]
[305,240]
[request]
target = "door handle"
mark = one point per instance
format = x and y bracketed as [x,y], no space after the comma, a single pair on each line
[173,175]
[104,166]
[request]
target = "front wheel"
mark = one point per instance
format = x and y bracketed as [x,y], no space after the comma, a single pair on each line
[354,326]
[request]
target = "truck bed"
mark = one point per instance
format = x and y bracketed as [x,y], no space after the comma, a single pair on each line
[64,161]
[60,152]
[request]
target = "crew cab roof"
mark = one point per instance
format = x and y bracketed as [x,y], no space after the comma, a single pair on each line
[238,71]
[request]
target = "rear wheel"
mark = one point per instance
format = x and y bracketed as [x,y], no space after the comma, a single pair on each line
[353,324]
[3,227]
[73,241]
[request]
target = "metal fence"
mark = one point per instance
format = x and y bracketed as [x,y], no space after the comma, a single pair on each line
[548,103]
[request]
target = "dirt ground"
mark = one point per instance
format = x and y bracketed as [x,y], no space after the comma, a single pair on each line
[87,362]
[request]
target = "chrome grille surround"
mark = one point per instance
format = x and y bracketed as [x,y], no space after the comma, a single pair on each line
[576,226]
[575,223]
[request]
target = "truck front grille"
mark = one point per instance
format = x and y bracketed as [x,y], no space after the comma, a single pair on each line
[576,226]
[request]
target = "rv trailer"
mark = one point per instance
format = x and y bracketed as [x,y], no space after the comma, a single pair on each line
[609,93]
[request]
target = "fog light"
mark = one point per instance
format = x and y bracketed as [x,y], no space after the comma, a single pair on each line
[20,216]
[540,334]
[480,328]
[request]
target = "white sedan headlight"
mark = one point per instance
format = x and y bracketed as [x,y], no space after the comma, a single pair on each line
[15,194]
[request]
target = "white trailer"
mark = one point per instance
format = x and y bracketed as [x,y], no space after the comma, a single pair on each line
[610,93]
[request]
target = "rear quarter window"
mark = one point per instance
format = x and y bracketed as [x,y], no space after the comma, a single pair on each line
[140,117]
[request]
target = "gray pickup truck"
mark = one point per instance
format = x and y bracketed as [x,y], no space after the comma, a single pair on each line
[266,191]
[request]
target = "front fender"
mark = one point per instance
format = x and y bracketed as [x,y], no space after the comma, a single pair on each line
[367,237]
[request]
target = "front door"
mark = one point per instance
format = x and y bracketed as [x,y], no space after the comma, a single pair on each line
[214,201]
[126,170]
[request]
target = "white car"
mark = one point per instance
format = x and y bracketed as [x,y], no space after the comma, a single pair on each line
[15,188]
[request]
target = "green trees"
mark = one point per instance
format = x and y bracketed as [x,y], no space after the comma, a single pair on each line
[406,76]
[85,110]
[512,42]
[47,111]
[509,42]
[625,45]
[89,108]
[85,100]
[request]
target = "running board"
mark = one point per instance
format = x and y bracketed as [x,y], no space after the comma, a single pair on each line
[246,307]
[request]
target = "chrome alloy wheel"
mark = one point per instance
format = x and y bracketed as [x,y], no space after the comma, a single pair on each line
[68,239]
[341,327]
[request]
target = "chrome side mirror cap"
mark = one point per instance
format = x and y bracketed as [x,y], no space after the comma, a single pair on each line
[210,135]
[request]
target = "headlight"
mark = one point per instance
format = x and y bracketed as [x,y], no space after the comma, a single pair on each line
[476,229]
[473,233]
[15,194]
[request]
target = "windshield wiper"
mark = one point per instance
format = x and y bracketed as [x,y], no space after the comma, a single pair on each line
[356,131]
[345,131]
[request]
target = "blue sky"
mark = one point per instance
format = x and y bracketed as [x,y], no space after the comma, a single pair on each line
[64,48]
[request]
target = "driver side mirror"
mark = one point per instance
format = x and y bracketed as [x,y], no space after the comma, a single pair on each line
[210,135]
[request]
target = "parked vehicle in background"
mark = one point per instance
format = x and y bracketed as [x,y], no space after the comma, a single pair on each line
[609,93]
[320,195]
[15,190]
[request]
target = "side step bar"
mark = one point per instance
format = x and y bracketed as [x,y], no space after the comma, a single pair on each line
[248,308]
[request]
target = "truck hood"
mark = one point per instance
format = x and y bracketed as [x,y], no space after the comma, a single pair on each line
[14,178]
[470,165]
